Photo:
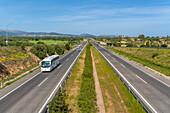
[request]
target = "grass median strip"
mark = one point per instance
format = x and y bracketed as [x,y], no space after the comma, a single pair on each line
[116,96]
[73,84]
[87,96]
[157,59]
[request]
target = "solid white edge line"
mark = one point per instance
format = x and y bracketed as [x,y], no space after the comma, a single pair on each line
[42,82]
[129,83]
[19,86]
[141,79]
[59,83]
[143,71]
[31,78]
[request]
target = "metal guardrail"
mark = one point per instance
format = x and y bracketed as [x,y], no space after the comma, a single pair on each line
[139,98]
[61,85]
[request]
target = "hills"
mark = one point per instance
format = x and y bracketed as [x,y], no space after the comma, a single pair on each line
[24,33]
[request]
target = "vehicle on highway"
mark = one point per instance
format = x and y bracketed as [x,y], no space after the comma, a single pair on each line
[49,63]
[78,48]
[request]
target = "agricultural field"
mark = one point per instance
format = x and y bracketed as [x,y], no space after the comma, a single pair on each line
[49,42]
[116,96]
[158,59]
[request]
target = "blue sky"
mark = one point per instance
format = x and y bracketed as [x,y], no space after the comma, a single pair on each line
[123,17]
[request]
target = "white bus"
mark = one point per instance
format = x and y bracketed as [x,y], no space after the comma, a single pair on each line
[49,63]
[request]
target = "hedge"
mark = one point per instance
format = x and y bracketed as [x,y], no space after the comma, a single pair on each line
[87,97]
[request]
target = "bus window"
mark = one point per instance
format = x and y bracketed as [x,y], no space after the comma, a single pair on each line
[45,64]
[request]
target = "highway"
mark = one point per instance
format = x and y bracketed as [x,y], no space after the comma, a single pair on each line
[31,93]
[153,89]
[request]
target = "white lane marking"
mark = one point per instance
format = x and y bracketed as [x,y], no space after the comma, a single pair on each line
[19,86]
[141,79]
[123,65]
[66,54]
[144,72]
[59,66]
[128,83]
[42,81]
[113,58]
[72,55]
[31,78]
[59,83]
[67,59]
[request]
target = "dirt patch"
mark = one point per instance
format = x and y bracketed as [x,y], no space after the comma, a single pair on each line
[100,102]
[109,103]
[121,99]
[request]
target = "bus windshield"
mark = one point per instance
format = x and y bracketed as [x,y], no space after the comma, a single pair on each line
[45,64]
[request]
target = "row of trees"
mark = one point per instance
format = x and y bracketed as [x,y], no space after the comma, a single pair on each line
[87,97]
[135,45]
[41,50]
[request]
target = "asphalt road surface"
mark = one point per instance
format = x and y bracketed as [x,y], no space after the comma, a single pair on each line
[153,88]
[29,94]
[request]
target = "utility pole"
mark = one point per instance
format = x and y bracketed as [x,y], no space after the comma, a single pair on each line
[7,35]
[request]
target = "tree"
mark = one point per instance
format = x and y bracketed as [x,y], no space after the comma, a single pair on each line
[58,104]
[39,50]
[67,46]
[40,42]
[59,50]
[23,47]
[141,36]
[163,45]
[51,50]
[147,44]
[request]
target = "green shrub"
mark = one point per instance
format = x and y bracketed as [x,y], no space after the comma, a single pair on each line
[23,47]
[39,50]
[67,46]
[40,42]
[154,55]
[58,104]
[59,50]
[51,50]
[87,97]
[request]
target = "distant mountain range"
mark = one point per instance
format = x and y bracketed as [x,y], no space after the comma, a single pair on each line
[23,33]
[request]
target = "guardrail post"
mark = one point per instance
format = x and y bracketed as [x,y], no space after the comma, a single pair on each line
[61,87]
[129,89]
[48,111]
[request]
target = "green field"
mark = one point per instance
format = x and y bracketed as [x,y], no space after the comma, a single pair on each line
[157,59]
[49,42]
